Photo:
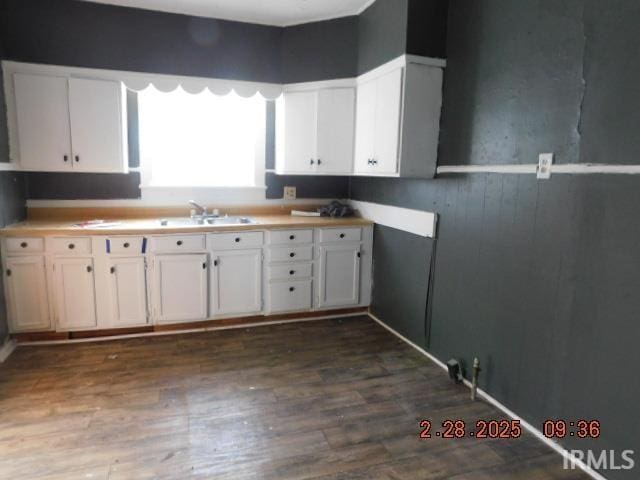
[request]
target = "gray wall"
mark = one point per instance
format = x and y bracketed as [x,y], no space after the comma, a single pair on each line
[536,278]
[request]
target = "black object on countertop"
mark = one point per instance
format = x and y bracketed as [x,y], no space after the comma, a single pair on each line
[336,209]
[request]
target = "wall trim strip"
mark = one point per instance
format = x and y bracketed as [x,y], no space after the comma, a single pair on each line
[7,349]
[417,222]
[489,399]
[568,168]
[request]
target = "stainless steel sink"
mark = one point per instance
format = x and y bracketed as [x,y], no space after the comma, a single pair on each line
[206,220]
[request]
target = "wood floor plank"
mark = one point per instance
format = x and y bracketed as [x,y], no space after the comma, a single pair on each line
[323,400]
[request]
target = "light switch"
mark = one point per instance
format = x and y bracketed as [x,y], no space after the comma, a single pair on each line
[545,160]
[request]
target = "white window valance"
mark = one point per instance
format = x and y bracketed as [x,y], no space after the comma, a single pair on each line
[137,81]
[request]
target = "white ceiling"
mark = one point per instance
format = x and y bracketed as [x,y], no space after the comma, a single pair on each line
[269,12]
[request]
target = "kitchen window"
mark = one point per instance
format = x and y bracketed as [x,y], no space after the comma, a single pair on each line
[201,140]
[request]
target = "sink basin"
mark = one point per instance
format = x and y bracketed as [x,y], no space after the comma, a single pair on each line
[188,221]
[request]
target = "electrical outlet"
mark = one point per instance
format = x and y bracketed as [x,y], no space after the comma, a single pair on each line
[289,193]
[545,160]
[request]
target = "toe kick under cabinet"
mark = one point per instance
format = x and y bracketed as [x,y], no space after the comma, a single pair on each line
[82,283]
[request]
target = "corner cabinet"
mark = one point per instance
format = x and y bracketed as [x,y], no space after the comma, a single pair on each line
[398,120]
[314,130]
[385,122]
[85,122]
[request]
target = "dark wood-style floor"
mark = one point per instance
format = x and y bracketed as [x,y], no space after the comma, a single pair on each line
[315,400]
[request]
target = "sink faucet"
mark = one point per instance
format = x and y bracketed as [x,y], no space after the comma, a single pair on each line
[201,210]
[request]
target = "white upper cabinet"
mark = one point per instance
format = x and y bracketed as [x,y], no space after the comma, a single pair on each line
[314,131]
[398,120]
[42,113]
[70,124]
[98,125]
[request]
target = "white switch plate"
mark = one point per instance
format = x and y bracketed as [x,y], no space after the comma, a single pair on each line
[289,193]
[545,160]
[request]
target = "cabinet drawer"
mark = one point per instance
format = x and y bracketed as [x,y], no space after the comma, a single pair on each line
[340,235]
[218,241]
[178,243]
[290,237]
[24,245]
[289,254]
[125,245]
[285,272]
[70,245]
[290,296]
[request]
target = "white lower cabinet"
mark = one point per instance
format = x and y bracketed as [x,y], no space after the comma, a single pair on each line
[339,275]
[236,282]
[75,293]
[98,282]
[127,291]
[180,288]
[26,286]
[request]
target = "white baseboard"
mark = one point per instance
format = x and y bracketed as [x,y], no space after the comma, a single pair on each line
[489,399]
[327,316]
[7,349]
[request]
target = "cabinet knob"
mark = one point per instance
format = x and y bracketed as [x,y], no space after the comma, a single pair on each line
[319,161]
[89,268]
[204,265]
[126,245]
[8,272]
[77,158]
[292,254]
[179,243]
[292,237]
[358,254]
[65,158]
[238,239]
[215,263]
[342,235]
[311,161]
[291,289]
[71,246]
[292,272]
[24,244]
[112,269]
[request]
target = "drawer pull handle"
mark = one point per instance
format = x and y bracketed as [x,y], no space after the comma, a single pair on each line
[179,243]
[126,245]
[359,254]
[112,269]
[292,272]
[8,272]
[238,239]
[71,246]
[292,254]
[89,269]
[24,244]
[342,235]
[215,263]
[292,237]
[77,158]
[291,289]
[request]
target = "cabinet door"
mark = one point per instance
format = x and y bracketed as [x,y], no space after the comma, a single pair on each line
[387,128]
[75,293]
[97,125]
[336,123]
[42,110]
[236,282]
[26,287]
[365,126]
[180,292]
[297,132]
[128,291]
[339,275]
